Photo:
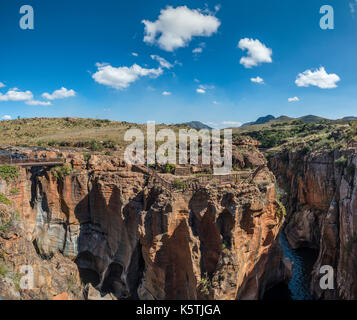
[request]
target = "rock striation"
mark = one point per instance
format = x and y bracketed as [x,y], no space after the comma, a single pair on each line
[125,236]
[321,199]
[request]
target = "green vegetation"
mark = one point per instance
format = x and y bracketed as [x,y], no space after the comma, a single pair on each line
[93,134]
[169,168]
[86,157]
[4,199]
[9,173]
[341,162]
[16,278]
[205,285]
[61,171]
[281,213]
[305,135]
[3,270]
[178,184]
[14,191]
[72,285]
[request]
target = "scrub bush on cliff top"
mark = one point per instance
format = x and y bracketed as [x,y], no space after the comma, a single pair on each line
[61,171]
[8,173]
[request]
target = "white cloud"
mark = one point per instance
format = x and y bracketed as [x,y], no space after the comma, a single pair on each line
[38,103]
[134,54]
[166,93]
[197,50]
[15,95]
[319,78]
[293,99]
[6,117]
[257,80]
[2,85]
[353,5]
[203,88]
[59,94]
[163,63]
[215,102]
[122,77]
[257,53]
[175,27]
[232,123]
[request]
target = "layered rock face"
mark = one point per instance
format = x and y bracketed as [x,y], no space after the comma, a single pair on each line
[130,236]
[322,204]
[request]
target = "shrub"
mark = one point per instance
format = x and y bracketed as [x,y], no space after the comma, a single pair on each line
[205,285]
[306,149]
[3,270]
[281,213]
[8,173]
[178,184]
[4,200]
[61,171]
[169,168]
[341,162]
[14,191]
[86,157]
[95,146]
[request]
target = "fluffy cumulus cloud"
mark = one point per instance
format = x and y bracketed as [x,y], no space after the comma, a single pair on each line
[163,63]
[38,103]
[175,27]
[15,94]
[166,93]
[293,99]
[257,80]
[6,117]
[122,77]
[318,78]
[257,53]
[59,94]
[2,85]
[200,90]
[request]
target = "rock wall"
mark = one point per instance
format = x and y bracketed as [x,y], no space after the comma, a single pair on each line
[131,237]
[321,198]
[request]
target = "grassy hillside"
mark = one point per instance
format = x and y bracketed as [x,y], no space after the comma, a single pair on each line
[309,132]
[68,132]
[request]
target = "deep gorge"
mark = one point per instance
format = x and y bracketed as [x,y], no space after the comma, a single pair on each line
[111,231]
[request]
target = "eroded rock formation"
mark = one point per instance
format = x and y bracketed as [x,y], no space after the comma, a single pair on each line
[322,204]
[129,236]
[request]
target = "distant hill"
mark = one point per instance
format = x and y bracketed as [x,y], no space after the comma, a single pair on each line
[310,118]
[349,118]
[260,120]
[198,125]
[269,118]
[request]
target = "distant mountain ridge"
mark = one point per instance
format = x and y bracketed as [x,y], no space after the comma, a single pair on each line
[198,125]
[260,120]
[307,119]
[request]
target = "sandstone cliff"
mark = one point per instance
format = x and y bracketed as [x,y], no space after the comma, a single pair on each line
[321,198]
[117,228]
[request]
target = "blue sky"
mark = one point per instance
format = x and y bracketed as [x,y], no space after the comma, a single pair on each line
[86,48]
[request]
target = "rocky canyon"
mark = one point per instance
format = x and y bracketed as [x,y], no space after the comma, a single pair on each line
[106,230]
